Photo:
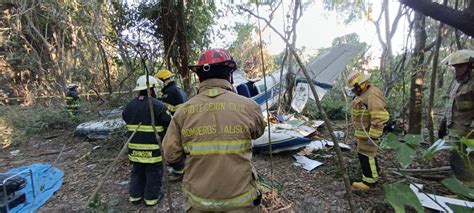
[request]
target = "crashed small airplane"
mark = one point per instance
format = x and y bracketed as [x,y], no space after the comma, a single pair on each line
[289,135]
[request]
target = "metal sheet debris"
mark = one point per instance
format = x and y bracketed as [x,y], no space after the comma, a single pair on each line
[300,97]
[441,203]
[320,144]
[306,163]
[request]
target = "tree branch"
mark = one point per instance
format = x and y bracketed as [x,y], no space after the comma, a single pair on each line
[461,20]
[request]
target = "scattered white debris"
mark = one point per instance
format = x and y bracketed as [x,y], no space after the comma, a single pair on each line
[306,130]
[15,152]
[427,200]
[95,147]
[317,123]
[91,166]
[306,163]
[300,97]
[342,145]
[316,145]
[320,144]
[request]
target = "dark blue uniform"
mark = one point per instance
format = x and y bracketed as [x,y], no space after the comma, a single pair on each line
[173,96]
[72,102]
[144,150]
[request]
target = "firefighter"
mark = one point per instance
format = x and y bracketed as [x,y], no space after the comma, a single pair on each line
[368,117]
[72,100]
[173,96]
[458,121]
[143,149]
[214,129]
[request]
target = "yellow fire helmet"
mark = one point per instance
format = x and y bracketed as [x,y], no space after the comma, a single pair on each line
[356,78]
[164,74]
[459,57]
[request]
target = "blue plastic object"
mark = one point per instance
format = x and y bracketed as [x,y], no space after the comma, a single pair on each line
[47,180]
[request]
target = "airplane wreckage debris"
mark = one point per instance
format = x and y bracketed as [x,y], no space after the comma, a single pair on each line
[287,132]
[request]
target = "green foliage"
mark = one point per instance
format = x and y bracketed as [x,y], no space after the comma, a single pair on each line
[333,103]
[350,10]
[98,205]
[400,195]
[405,148]
[32,120]
[17,124]
[459,188]
[436,147]
[246,51]
[52,43]
[459,209]
[199,18]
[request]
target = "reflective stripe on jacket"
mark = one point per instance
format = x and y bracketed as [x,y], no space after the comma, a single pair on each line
[72,100]
[214,129]
[143,147]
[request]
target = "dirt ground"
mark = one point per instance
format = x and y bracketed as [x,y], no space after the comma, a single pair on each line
[84,162]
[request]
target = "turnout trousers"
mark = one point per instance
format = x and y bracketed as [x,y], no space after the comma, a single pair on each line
[145,182]
[370,169]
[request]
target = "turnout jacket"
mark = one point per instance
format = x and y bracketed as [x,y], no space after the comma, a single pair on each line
[369,116]
[214,129]
[143,147]
[72,101]
[460,110]
[173,96]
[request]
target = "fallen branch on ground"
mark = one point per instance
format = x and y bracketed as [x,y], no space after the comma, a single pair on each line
[437,169]
[109,169]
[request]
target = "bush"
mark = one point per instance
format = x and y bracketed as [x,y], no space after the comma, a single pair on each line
[19,123]
[333,103]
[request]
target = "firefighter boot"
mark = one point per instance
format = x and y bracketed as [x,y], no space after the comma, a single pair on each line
[362,186]
[153,202]
[135,200]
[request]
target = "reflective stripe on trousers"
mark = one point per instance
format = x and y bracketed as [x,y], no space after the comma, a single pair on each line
[214,204]
[370,173]
[144,153]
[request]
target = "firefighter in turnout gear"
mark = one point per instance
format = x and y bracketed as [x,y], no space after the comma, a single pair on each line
[143,149]
[72,100]
[458,121]
[214,130]
[173,96]
[368,117]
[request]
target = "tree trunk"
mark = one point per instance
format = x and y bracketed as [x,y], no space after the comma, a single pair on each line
[461,20]
[416,85]
[433,81]
[183,48]
[166,26]
[290,76]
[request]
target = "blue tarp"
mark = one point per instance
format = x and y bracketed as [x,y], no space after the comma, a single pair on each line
[47,180]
